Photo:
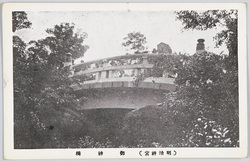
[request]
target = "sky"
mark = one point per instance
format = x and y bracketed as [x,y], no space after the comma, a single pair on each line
[106,30]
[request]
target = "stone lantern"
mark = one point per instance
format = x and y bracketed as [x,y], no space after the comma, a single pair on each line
[68,60]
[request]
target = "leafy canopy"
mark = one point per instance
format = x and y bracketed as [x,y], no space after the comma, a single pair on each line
[204,20]
[135,41]
[41,84]
[20,21]
[63,40]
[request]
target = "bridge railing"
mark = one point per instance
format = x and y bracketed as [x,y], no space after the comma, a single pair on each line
[116,67]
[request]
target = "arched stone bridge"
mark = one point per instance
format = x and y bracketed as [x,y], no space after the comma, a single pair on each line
[121,82]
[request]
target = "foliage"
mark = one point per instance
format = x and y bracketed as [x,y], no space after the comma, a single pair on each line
[19,57]
[135,41]
[63,40]
[207,96]
[212,19]
[88,142]
[23,83]
[201,112]
[150,126]
[228,19]
[40,68]
[20,20]
[42,86]
[207,133]
[204,92]
[169,63]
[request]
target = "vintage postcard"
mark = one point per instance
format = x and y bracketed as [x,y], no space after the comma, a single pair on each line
[124,80]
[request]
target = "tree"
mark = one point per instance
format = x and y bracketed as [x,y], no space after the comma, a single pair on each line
[27,67]
[151,126]
[229,20]
[229,36]
[63,40]
[56,97]
[135,41]
[202,107]
[42,88]
[23,84]
[211,19]
[206,99]
[20,21]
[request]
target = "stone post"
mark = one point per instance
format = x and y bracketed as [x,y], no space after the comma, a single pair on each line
[145,59]
[98,75]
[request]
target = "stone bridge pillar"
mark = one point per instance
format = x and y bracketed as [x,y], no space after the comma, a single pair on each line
[98,75]
[145,60]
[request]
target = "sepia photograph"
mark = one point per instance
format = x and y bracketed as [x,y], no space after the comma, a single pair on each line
[155,80]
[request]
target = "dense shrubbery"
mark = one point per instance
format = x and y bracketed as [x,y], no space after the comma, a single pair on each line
[202,112]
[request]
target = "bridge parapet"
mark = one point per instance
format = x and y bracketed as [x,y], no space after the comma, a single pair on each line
[121,71]
[130,82]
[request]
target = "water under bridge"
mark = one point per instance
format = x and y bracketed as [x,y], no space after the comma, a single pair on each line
[126,81]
